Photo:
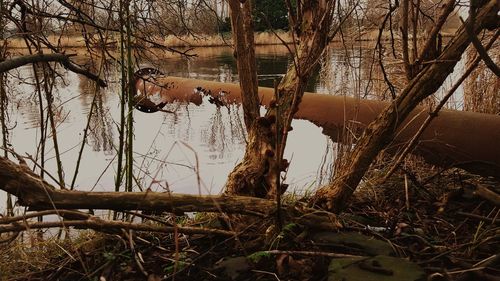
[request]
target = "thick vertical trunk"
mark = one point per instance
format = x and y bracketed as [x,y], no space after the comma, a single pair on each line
[381,131]
[257,175]
[247,176]
[244,50]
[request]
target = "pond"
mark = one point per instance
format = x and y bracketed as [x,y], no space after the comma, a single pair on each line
[193,150]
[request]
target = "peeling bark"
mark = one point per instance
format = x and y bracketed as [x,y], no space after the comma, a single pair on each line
[257,175]
[248,177]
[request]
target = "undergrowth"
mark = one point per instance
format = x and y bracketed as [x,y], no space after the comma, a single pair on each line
[433,218]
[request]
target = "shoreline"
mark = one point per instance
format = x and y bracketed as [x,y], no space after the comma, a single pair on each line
[219,40]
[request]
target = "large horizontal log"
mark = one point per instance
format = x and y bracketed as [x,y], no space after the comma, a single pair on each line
[39,195]
[454,138]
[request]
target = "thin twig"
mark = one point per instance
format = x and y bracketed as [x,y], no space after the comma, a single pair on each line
[480,49]
[474,216]
[310,253]
[106,226]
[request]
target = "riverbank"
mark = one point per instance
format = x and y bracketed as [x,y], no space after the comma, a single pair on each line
[77,41]
[439,227]
[218,40]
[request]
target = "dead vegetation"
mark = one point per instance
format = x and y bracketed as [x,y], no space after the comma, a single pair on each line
[441,224]
[435,219]
[78,41]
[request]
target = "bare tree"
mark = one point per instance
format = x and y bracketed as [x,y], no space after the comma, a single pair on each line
[313,25]
[425,83]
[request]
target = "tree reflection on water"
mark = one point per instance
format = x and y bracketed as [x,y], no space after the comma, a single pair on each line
[215,135]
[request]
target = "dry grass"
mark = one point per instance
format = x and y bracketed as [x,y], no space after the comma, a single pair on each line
[261,38]
[482,87]
[437,222]
[64,41]
[28,255]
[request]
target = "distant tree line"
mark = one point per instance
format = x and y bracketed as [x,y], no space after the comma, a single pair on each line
[267,15]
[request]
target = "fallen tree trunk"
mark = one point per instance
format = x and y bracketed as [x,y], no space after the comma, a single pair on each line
[462,139]
[37,194]
[107,226]
[32,191]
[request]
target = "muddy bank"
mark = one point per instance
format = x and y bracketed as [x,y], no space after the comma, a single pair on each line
[454,138]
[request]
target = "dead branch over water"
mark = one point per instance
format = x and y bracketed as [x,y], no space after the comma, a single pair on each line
[62,58]
[109,226]
[39,195]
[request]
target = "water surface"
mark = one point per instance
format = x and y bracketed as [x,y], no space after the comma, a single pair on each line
[193,150]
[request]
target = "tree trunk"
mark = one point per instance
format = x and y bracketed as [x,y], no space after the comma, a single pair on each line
[381,131]
[247,176]
[257,175]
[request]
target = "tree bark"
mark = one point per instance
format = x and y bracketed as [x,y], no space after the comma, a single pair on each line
[257,175]
[247,177]
[381,131]
[36,193]
[244,45]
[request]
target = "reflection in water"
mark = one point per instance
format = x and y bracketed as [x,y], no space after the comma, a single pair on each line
[224,133]
[194,149]
[171,150]
[216,138]
[100,130]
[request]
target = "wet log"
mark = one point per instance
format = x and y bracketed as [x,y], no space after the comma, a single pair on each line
[36,193]
[455,138]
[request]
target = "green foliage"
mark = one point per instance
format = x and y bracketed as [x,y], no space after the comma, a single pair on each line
[109,256]
[272,12]
[170,268]
[225,25]
[180,264]
[257,256]
[289,227]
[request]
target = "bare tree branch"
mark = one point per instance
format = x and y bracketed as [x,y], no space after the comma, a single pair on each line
[381,131]
[107,226]
[412,143]
[404,38]
[446,11]
[481,50]
[62,213]
[61,58]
